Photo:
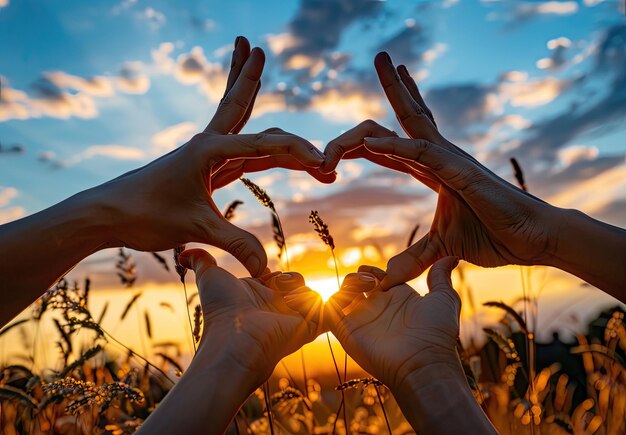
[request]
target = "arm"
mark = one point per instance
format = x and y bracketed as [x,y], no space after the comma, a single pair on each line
[54,240]
[408,342]
[480,217]
[437,399]
[164,204]
[592,250]
[248,329]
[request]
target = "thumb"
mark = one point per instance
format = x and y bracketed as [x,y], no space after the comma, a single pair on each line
[308,304]
[239,243]
[440,281]
[197,260]
[410,263]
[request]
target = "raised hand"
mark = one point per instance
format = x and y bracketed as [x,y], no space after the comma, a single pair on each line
[162,205]
[168,202]
[408,342]
[248,329]
[480,217]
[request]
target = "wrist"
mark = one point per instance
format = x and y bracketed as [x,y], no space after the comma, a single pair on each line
[88,218]
[424,376]
[213,357]
[436,399]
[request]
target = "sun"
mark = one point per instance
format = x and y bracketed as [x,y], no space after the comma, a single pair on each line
[325,287]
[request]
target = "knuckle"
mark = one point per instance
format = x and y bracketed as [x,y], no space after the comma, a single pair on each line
[237,247]
[260,138]
[369,123]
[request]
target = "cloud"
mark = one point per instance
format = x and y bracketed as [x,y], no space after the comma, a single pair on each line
[347,103]
[6,195]
[115,152]
[156,18]
[13,103]
[547,8]
[518,12]
[600,115]
[4,3]
[172,137]
[304,30]
[8,214]
[532,93]
[132,79]
[408,46]
[58,94]
[192,68]
[557,59]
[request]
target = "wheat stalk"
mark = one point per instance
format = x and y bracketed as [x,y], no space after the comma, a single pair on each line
[182,271]
[277,225]
[323,232]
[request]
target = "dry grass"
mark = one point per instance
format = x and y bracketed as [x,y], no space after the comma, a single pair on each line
[91,391]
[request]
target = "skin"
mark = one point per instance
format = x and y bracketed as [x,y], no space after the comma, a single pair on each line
[165,204]
[406,341]
[480,217]
[248,329]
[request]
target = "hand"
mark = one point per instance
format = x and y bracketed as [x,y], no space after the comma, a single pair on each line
[392,334]
[248,328]
[480,217]
[245,320]
[168,202]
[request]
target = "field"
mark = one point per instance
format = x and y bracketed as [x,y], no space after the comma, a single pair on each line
[95,383]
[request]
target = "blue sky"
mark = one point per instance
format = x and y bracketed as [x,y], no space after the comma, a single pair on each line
[93,89]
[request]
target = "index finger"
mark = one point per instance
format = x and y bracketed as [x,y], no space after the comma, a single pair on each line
[411,115]
[235,146]
[235,103]
[351,140]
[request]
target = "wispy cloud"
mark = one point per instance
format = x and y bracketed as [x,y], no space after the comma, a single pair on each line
[172,137]
[8,213]
[58,94]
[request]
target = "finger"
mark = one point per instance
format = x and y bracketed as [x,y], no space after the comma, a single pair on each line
[235,104]
[401,165]
[239,243]
[454,170]
[241,52]
[377,272]
[246,117]
[359,282]
[197,260]
[411,263]
[285,282]
[235,146]
[234,169]
[411,86]
[349,141]
[410,114]
[440,281]
[308,304]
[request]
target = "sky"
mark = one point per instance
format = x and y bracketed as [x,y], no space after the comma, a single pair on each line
[90,90]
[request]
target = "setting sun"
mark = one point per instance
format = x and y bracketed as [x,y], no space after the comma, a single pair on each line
[325,287]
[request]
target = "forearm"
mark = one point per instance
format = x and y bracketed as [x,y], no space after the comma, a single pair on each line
[205,400]
[437,400]
[593,251]
[39,249]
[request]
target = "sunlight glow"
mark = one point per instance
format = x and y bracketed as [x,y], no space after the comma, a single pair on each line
[325,287]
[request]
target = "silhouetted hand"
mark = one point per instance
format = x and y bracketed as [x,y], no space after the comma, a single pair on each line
[480,217]
[247,319]
[168,202]
[394,333]
[406,341]
[247,329]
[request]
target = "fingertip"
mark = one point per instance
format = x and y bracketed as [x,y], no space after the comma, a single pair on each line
[382,59]
[256,264]
[193,258]
[258,53]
